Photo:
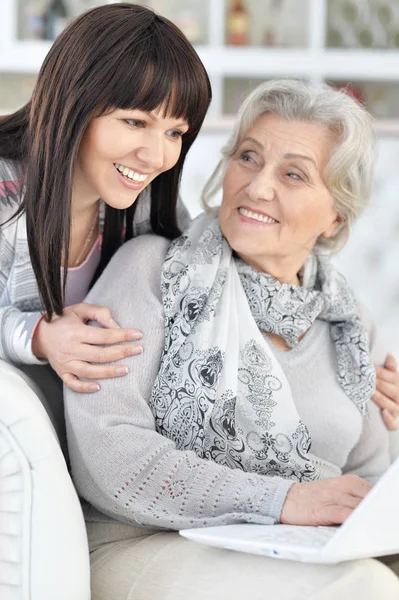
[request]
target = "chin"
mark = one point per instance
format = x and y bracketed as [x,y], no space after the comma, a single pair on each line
[121,203]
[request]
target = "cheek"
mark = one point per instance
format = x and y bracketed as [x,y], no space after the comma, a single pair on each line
[172,155]
[95,147]
[228,192]
[225,211]
[310,221]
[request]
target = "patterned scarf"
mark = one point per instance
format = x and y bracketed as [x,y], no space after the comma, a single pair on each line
[220,390]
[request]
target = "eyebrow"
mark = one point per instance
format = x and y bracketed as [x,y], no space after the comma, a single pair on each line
[295,155]
[288,155]
[181,124]
[251,139]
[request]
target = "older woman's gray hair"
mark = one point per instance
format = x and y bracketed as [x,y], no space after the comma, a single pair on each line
[348,175]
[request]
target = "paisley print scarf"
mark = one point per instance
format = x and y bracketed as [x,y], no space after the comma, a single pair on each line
[220,391]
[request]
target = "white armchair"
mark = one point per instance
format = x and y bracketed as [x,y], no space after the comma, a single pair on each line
[43,546]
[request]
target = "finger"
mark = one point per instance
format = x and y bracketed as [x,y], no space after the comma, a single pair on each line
[390,362]
[389,390]
[92,312]
[391,422]
[76,385]
[336,515]
[102,315]
[85,370]
[97,354]
[354,485]
[100,336]
[350,501]
[384,402]
[387,375]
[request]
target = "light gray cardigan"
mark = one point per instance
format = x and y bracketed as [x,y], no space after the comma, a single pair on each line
[20,306]
[126,471]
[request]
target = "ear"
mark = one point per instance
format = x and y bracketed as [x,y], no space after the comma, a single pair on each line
[329,232]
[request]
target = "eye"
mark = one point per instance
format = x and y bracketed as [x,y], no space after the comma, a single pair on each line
[295,176]
[175,133]
[135,122]
[246,156]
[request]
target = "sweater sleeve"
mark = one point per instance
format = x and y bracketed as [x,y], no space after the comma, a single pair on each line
[16,326]
[370,458]
[120,464]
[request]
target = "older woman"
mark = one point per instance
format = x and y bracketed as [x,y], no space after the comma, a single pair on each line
[251,401]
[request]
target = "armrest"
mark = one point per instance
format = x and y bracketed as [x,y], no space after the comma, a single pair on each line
[44,551]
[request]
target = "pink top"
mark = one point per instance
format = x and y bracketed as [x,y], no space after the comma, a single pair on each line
[79,278]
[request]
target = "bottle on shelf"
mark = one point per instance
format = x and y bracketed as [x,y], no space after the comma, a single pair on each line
[190,26]
[238,24]
[379,102]
[342,18]
[31,23]
[55,19]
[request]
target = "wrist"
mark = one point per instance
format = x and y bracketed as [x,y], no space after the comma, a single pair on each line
[37,339]
[290,505]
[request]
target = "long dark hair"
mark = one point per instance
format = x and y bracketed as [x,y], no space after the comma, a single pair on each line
[114,56]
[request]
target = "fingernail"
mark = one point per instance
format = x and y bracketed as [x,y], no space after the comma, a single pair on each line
[136,335]
[136,350]
[94,387]
[113,323]
[121,370]
[387,413]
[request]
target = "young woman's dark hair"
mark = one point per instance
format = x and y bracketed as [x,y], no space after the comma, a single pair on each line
[115,56]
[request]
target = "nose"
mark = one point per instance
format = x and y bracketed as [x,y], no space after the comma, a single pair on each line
[151,151]
[261,186]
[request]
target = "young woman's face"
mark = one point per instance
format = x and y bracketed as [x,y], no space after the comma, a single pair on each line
[122,152]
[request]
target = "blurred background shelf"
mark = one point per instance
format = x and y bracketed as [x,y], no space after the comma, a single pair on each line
[241,42]
[350,43]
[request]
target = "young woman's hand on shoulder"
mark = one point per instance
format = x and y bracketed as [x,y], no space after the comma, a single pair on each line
[71,345]
[387,392]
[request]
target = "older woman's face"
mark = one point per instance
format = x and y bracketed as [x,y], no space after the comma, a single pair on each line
[275,202]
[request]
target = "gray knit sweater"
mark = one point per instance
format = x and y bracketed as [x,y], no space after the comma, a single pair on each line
[125,470]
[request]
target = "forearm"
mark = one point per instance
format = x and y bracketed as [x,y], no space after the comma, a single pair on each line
[16,330]
[133,474]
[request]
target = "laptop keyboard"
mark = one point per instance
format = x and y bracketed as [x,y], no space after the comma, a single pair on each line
[298,536]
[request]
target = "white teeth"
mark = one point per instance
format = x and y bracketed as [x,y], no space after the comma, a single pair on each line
[137,177]
[256,216]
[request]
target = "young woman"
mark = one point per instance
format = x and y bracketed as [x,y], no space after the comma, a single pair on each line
[92,160]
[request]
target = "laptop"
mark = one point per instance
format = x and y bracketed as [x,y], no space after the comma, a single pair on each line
[371,530]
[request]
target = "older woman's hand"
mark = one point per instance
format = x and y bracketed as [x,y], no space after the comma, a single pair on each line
[325,502]
[387,392]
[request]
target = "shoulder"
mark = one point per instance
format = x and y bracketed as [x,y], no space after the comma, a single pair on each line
[136,266]
[143,251]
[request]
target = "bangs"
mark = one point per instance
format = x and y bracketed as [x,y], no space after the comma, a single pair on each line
[162,73]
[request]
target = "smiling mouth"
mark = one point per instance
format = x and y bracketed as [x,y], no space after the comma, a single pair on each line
[245,212]
[130,174]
